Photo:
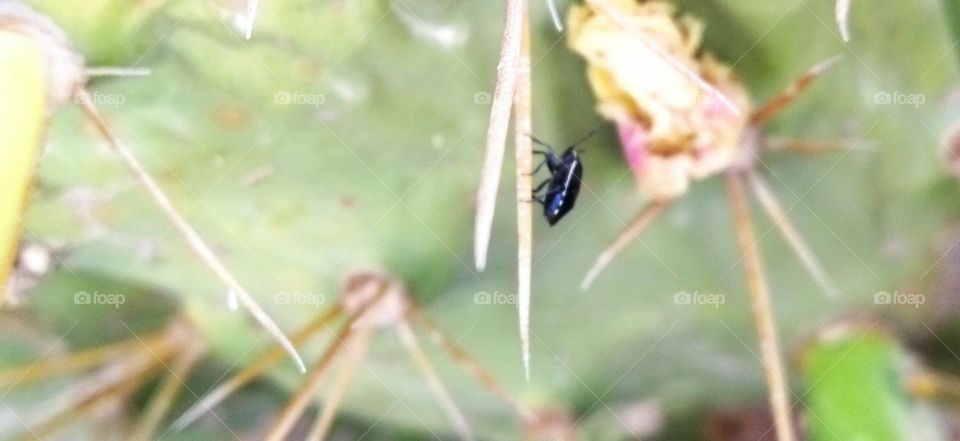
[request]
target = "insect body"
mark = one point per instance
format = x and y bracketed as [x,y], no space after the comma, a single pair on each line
[563,185]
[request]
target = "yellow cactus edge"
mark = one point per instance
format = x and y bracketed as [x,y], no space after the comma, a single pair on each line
[30,90]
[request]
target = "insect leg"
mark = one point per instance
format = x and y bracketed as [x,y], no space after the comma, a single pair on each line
[535,198]
[541,185]
[538,167]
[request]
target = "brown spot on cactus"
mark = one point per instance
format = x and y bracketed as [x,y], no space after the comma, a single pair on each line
[231,116]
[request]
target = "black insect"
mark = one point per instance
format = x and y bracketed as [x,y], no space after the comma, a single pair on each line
[563,185]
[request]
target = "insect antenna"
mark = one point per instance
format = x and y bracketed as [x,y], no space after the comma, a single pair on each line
[580,141]
[539,142]
[585,138]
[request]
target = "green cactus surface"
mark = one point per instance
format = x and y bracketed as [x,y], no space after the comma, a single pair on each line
[350,133]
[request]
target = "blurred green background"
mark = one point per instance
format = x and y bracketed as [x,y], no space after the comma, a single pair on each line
[351,132]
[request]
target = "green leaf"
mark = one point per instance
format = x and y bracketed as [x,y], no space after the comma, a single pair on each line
[855,380]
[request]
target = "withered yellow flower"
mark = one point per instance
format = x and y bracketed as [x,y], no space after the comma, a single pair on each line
[671,131]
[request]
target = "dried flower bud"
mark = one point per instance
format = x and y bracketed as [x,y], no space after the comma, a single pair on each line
[672,132]
[359,287]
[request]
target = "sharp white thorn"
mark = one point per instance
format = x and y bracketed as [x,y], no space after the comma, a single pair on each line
[252,6]
[110,71]
[495,145]
[180,223]
[824,65]
[434,385]
[843,18]
[770,204]
[555,15]
[524,310]
[232,301]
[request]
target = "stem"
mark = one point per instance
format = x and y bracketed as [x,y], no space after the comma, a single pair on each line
[762,310]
